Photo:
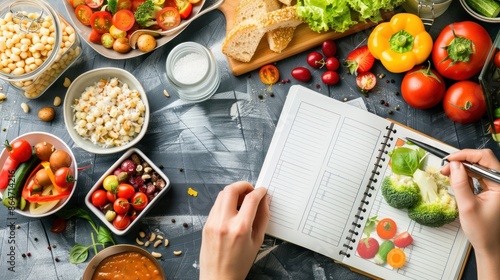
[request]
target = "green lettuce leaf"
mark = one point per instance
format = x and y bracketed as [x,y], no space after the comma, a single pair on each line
[324,15]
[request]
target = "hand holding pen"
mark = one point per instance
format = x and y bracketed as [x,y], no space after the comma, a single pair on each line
[479,214]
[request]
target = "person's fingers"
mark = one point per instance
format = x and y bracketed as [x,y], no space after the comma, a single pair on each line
[484,157]
[250,205]
[459,181]
[261,219]
[233,194]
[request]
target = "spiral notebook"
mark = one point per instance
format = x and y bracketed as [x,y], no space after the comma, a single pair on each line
[323,170]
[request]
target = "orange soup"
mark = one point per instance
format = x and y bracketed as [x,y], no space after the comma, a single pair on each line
[127,266]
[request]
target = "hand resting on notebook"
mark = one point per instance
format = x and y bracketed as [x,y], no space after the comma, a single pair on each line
[234,232]
[479,214]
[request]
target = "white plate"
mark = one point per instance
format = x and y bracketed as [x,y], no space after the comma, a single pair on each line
[33,138]
[84,32]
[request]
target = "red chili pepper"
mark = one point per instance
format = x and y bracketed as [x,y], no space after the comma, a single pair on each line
[8,170]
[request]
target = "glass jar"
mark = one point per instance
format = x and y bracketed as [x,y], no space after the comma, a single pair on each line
[36,45]
[192,71]
[427,10]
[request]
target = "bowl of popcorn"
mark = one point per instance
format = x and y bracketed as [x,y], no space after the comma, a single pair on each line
[106,110]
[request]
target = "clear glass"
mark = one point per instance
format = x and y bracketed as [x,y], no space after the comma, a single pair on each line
[33,33]
[489,78]
[203,81]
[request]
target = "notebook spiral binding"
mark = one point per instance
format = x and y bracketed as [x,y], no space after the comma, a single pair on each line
[356,226]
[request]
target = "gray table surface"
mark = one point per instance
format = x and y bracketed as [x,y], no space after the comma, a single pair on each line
[204,146]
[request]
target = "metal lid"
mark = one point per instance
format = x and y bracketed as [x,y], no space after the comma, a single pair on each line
[33,34]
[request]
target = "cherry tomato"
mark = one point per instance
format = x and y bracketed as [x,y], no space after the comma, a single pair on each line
[95,37]
[386,228]
[121,205]
[124,20]
[315,60]
[63,177]
[496,59]
[366,81]
[101,21]
[269,74]
[111,196]
[58,226]
[185,9]
[139,201]
[464,102]
[422,87]
[19,150]
[332,63]
[121,221]
[330,78]
[76,3]
[83,13]
[99,198]
[329,48]
[94,4]
[168,18]
[301,73]
[464,58]
[125,191]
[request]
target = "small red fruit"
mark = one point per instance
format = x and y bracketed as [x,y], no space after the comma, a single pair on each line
[368,247]
[403,240]
[359,60]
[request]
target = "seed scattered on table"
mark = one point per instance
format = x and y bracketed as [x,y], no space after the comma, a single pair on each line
[25,107]
[142,234]
[138,241]
[166,93]
[156,255]
[166,242]
[67,82]
[157,243]
[177,253]
[57,101]
[3,96]
[152,237]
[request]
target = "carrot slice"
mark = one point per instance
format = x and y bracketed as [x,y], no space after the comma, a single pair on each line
[396,258]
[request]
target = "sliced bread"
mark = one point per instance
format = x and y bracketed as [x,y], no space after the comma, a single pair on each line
[279,38]
[242,41]
[254,9]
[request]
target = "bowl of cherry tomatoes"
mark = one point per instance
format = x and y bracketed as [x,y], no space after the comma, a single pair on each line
[127,191]
[38,175]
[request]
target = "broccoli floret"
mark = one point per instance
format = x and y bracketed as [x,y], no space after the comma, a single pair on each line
[437,206]
[400,191]
[145,15]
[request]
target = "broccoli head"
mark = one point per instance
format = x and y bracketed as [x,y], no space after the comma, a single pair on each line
[437,206]
[400,191]
[145,15]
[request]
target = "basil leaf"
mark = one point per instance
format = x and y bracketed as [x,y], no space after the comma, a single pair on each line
[404,161]
[78,254]
[104,236]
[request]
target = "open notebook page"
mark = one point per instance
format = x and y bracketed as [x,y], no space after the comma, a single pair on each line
[318,164]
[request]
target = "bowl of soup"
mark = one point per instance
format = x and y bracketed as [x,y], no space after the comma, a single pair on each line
[124,262]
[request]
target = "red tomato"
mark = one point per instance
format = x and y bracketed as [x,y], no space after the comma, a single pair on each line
[95,37]
[94,4]
[124,20]
[386,228]
[99,198]
[76,3]
[315,60]
[366,81]
[496,59]
[139,201]
[101,21]
[63,177]
[185,10]
[125,191]
[461,49]
[330,78]
[464,102]
[83,13]
[121,221]
[121,205]
[422,87]
[329,48]
[111,196]
[19,150]
[269,74]
[302,74]
[168,18]
[332,63]
[170,3]
[58,226]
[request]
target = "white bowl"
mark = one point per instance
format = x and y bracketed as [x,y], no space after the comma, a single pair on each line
[33,138]
[477,15]
[98,185]
[75,91]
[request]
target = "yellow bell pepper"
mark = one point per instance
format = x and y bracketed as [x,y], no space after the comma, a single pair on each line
[400,43]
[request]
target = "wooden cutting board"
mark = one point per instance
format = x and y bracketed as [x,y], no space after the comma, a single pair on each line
[303,40]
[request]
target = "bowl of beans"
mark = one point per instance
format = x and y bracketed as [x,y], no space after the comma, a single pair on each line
[36,45]
[124,262]
[106,110]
